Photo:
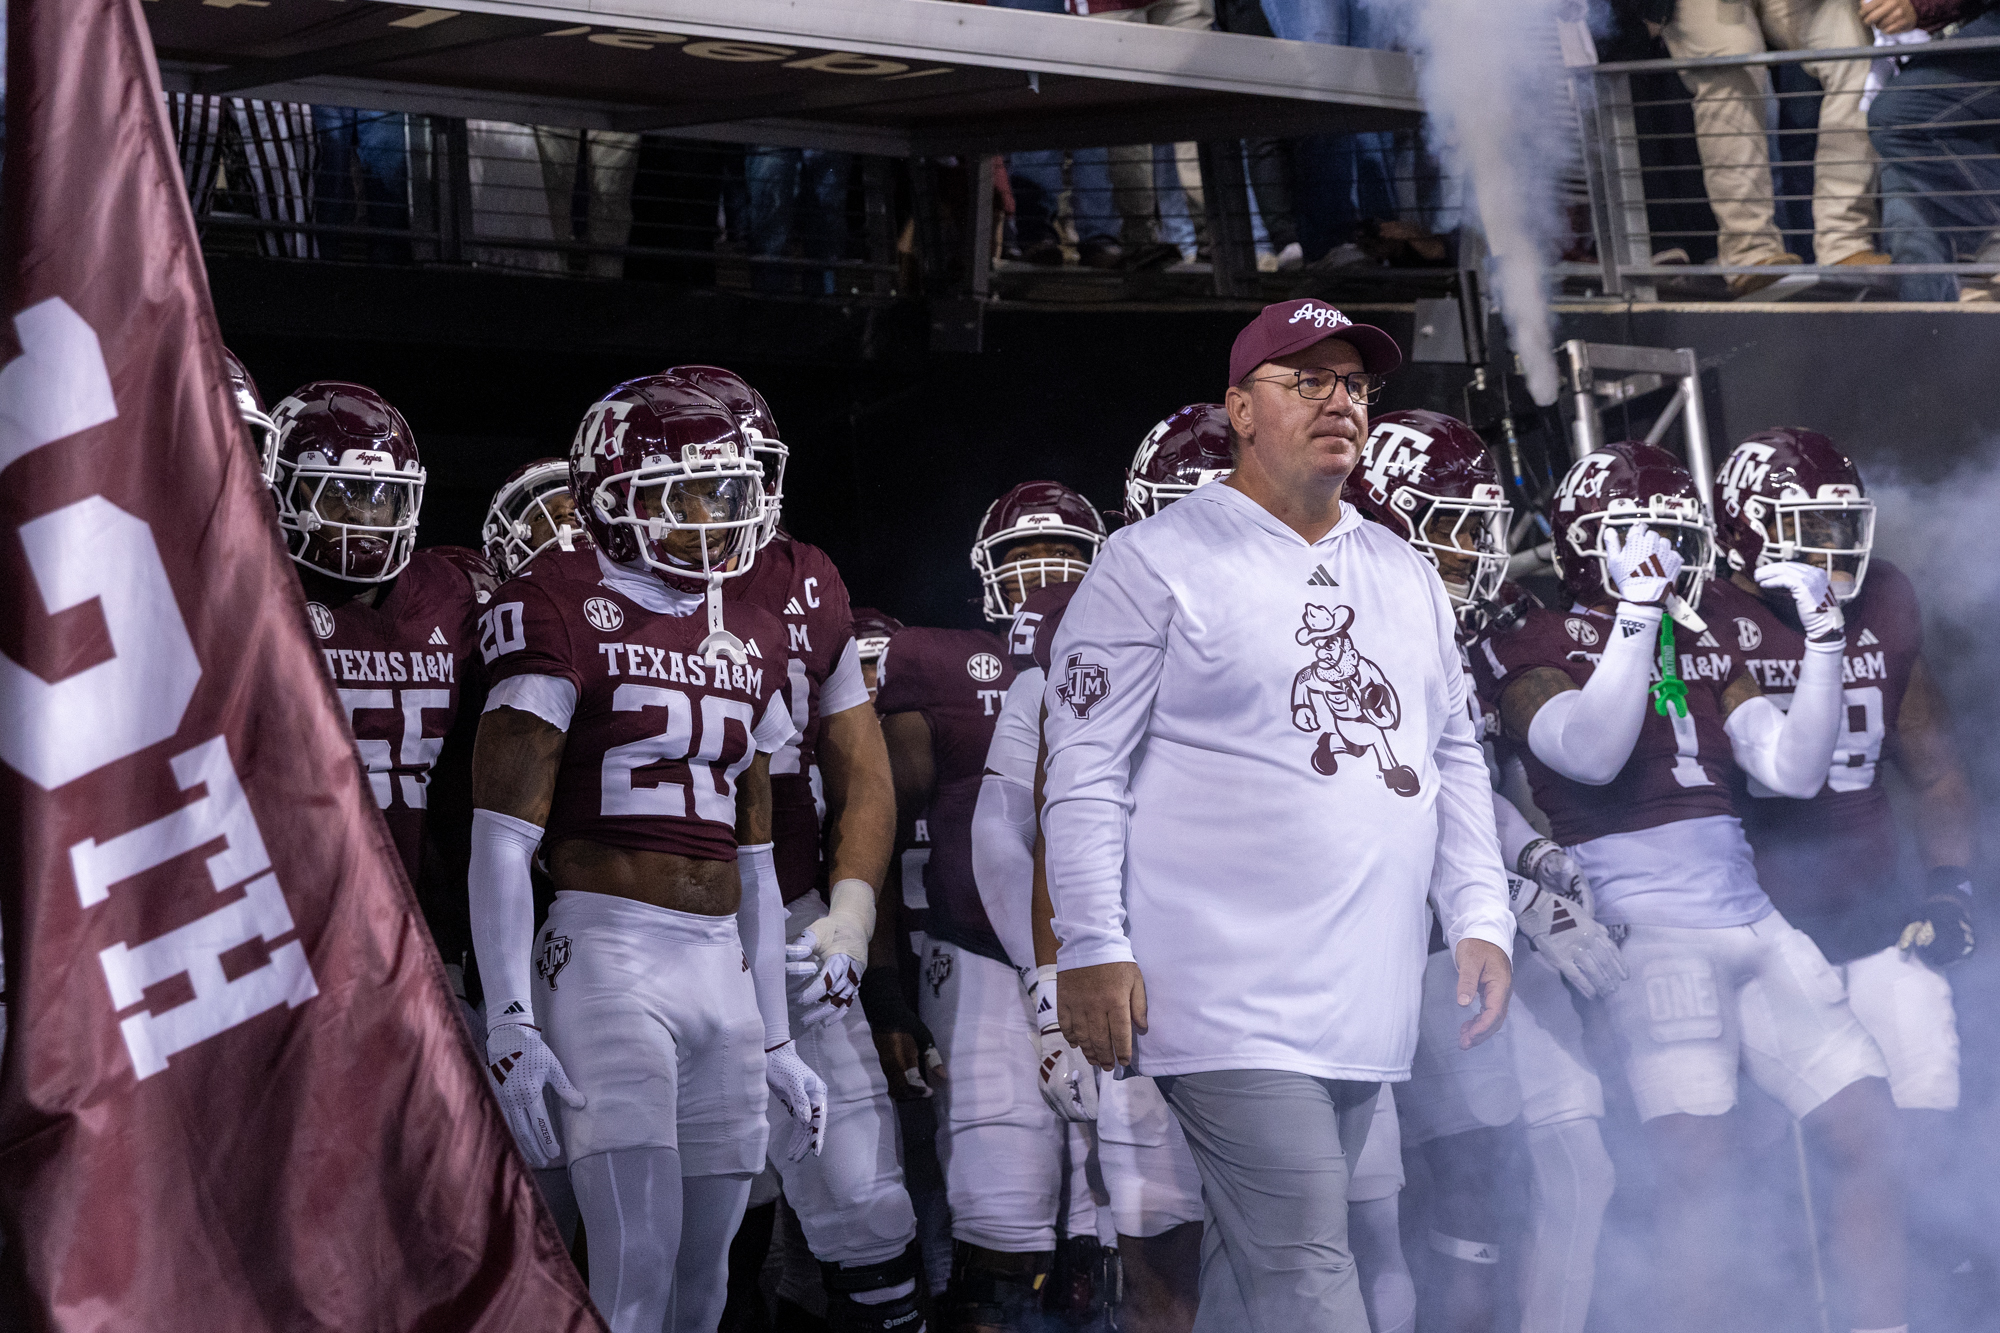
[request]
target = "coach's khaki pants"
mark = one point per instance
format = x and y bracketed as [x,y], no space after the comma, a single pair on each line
[1729,118]
[1132,164]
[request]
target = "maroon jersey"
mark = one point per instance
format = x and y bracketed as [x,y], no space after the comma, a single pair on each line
[956,679]
[1034,625]
[1829,863]
[398,667]
[1680,767]
[797,582]
[658,735]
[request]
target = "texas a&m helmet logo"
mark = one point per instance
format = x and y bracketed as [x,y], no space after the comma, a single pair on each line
[1085,684]
[554,958]
[1393,452]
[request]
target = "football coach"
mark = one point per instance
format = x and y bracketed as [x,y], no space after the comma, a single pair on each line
[1261,763]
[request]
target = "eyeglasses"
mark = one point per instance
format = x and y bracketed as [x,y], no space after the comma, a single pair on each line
[1318,385]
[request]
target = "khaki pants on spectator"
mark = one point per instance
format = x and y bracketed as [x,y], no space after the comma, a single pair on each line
[1729,118]
[1132,164]
[614,161]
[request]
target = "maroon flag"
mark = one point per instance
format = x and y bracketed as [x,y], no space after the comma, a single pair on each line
[235,1093]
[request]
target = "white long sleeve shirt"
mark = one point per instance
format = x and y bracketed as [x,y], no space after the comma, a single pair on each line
[1260,764]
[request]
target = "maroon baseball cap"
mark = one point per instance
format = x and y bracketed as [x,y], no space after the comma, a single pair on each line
[1292,326]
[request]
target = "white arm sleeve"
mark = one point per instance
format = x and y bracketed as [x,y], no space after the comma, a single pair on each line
[1790,750]
[760,921]
[1017,732]
[1515,830]
[844,688]
[775,728]
[1588,734]
[1468,885]
[550,698]
[1117,622]
[1003,863]
[502,904]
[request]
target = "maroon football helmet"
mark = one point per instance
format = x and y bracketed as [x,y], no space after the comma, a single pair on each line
[250,406]
[1789,494]
[348,481]
[532,511]
[1429,479]
[1188,448]
[1618,486]
[1034,511]
[759,427]
[872,631]
[662,478]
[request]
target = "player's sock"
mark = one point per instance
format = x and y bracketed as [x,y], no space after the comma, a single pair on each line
[1571,1178]
[873,1298]
[630,1201]
[711,1210]
[1374,1234]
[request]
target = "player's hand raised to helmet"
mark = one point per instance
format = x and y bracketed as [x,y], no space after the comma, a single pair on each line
[1812,593]
[1643,565]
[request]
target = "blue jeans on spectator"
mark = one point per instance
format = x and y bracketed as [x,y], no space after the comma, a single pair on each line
[1338,179]
[776,179]
[1037,178]
[1940,182]
[371,148]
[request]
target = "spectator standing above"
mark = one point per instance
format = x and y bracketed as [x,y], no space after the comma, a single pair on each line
[1132,164]
[1729,123]
[1937,128]
[1260,762]
[1036,177]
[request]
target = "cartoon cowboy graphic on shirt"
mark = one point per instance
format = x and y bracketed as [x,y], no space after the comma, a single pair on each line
[1346,699]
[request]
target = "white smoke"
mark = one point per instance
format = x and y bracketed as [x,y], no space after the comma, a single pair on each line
[1492,80]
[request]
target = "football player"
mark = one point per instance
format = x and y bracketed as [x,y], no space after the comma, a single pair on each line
[633,734]
[872,631]
[1634,774]
[532,511]
[849,1199]
[396,627]
[250,406]
[1829,863]
[1430,479]
[1010,1162]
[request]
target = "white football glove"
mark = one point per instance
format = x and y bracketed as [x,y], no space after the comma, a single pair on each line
[1642,566]
[823,992]
[1069,1082]
[803,1095]
[1812,594]
[520,1064]
[843,932]
[1553,912]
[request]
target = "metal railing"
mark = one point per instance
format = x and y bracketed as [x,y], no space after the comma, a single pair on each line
[1720,176]
[1666,148]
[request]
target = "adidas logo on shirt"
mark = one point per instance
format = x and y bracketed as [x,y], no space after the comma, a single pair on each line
[1707,640]
[1867,638]
[1321,579]
[792,608]
[437,637]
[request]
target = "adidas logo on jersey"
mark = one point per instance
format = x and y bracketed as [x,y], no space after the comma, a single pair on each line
[437,637]
[1867,638]
[792,608]
[1707,640]
[1321,579]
